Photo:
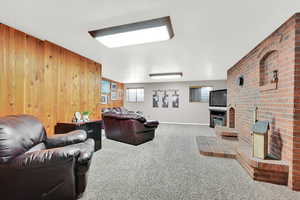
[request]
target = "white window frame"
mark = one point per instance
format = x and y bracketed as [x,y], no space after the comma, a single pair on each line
[136,100]
[203,99]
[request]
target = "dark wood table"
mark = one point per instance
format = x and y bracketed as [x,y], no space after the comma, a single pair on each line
[93,129]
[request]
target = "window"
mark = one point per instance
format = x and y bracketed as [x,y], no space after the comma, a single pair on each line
[200,94]
[135,94]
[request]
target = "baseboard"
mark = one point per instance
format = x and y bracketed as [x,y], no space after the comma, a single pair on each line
[180,123]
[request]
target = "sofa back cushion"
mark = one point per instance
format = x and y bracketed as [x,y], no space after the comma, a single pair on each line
[18,134]
[124,110]
[106,110]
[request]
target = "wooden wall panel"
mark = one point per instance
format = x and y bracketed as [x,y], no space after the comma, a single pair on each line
[33,74]
[40,78]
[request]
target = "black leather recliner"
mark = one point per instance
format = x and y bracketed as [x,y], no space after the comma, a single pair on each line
[34,166]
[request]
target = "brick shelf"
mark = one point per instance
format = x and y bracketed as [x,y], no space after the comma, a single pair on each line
[269,170]
[226,133]
[212,146]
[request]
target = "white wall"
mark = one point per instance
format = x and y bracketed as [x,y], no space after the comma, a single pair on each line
[186,113]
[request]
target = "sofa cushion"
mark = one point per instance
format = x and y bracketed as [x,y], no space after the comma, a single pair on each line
[123,110]
[18,134]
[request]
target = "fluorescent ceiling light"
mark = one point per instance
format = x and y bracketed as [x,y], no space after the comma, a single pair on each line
[135,37]
[137,33]
[174,75]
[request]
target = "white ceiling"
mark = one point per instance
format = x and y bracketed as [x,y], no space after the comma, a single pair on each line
[210,35]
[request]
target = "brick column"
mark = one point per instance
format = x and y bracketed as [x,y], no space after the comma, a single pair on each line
[294,181]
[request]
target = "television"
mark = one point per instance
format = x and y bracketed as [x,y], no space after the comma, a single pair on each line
[218,98]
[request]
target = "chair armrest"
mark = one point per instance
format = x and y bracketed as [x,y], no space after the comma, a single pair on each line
[44,158]
[86,150]
[45,174]
[61,140]
[151,124]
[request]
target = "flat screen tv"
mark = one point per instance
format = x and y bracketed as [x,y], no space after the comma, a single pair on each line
[218,98]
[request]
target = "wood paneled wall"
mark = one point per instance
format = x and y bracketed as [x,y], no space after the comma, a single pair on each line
[40,78]
[115,103]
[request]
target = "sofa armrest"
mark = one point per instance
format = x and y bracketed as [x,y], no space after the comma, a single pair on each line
[139,113]
[151,124]
[61,140]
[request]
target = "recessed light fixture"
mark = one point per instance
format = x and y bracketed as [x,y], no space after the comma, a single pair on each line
[153,30]
[173,75]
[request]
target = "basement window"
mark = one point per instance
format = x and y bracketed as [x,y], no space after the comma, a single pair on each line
[200,94]
[135,94]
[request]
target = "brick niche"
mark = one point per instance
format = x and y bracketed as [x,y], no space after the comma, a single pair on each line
[277,102]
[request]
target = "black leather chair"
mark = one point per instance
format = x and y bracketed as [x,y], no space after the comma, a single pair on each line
[34,166]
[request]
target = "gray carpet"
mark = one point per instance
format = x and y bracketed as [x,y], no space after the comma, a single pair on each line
[171,168]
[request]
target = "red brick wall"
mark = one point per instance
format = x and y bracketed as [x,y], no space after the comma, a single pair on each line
[295,181]
[276,52]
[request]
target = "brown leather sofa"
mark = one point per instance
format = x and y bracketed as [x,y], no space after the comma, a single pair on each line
[128,128]
[34,166]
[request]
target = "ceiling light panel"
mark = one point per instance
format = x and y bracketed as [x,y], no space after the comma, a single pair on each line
[136,33]
[175,75]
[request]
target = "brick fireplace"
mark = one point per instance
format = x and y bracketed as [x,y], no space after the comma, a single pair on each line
[271,89]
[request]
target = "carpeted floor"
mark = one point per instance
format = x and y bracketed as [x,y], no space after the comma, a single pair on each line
[171,168]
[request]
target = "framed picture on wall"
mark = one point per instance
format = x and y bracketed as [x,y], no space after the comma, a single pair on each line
[104,99]
[114,96]
[114,87]
[155,99]
[165,100]
[175,99]
[105,87]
